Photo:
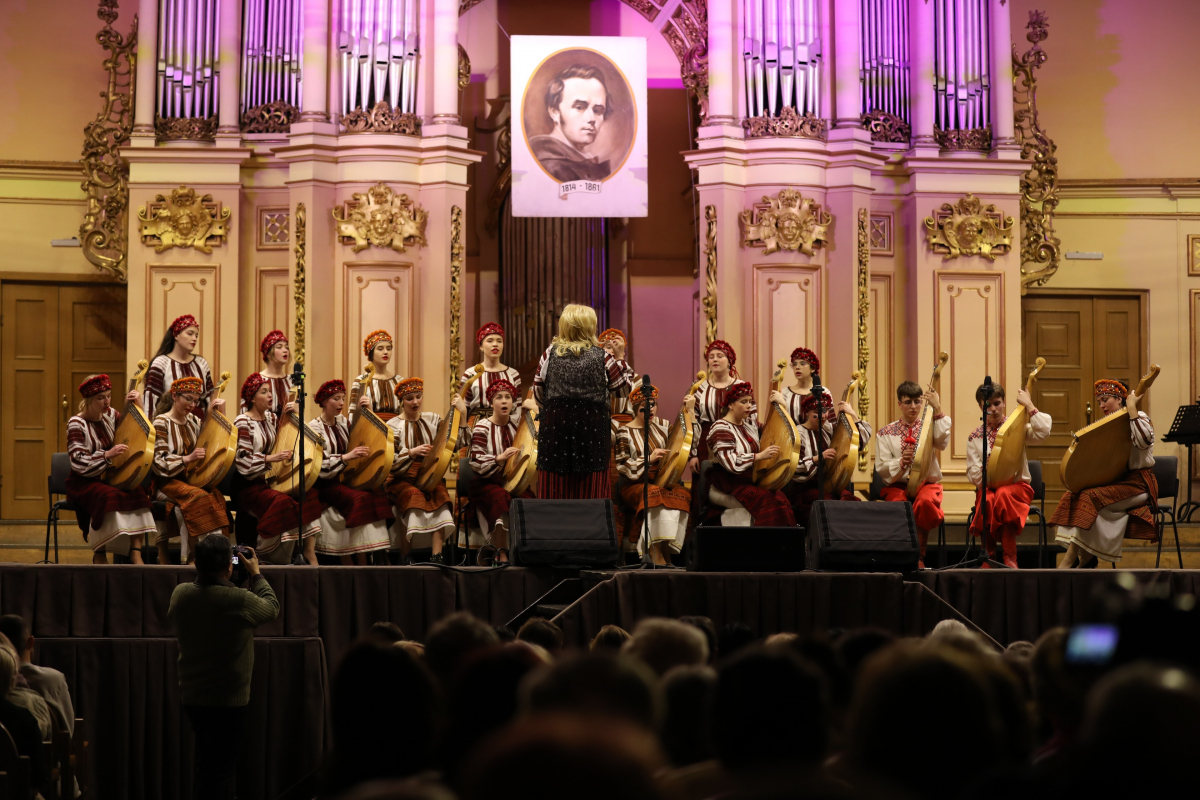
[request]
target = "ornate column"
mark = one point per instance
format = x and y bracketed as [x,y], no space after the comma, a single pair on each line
[1002,77]
[445,62]
[722,69]
[230,51]
[847,110]
[314,105]
[920,27]
[147,65]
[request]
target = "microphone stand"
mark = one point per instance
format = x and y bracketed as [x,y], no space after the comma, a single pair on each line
[298,385]
[647,559]
[985,557]
[817,392]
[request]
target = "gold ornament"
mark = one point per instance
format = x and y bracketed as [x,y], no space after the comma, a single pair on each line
[967,228]
[787,222]
[381,118]
[1040,246]
[183,220]
[298,285]
[456,265]
[864,313]
[968,139]
[381,218]
[886,127]
[710,275]
[789,123]
[274,117]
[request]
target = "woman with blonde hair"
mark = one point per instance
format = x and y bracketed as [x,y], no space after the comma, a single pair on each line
[574,380]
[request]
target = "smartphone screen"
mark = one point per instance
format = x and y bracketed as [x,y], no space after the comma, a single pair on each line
[236,561]
[1091,644]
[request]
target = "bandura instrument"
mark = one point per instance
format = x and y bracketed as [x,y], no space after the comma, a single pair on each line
[135,431]
[444,447]
[1005,460]
[368,430]
[520,471]
[1099,455]
[923,455]
[846,440]
[285,476]
[679,441]
[779,430]
[218,438]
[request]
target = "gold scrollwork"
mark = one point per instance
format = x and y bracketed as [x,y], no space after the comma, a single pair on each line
[298,283]
[864,314]
[104,233]
[464,68]
[786,222]
[968,228]
[274,117]
[381,218]
[192,129]
[1040,247]
[381,118]
[183,220]
[886,127]
[968,139]
[456,265]
[790,122]
[710,275]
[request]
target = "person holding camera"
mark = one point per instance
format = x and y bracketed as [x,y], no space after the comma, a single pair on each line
[214,621]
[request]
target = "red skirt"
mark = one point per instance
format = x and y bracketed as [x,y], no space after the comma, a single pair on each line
[767,509]
[203,511]
[275,511]
[633,498]
[491,499]
[94,500]
[1080,510]
[357,507]
[407,497]
[573,485]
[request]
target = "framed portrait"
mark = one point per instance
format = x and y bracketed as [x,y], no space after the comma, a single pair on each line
[579,141]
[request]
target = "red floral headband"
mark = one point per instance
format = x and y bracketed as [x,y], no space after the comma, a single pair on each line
[409,386]
[270,340]
[726,348]
[810,403]
[637,395]
[374,338]
[611,334]
[486,331]
[181,324]
[251,386]
[499,386]
[187,385]
[1111,388]
[329,389]
[95,385]
[737,392]
[804,354]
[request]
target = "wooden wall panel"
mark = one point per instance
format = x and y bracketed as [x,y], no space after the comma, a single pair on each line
[787,314]
[172,290]
[881,338]
[272,307]
[378,295]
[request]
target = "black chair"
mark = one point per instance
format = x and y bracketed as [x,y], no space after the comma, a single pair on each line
[1039,494]
[1166,473]
[56,484]
[876,493]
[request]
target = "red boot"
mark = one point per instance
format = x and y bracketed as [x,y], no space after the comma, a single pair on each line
[1008,540]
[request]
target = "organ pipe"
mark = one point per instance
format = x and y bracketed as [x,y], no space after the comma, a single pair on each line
[884,64]
[782,56]
[378,49]
[272,52]
[962,79]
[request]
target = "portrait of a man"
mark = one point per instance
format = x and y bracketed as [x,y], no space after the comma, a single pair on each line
[577,100]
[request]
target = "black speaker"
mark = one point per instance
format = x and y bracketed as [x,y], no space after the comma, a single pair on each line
[712,548]
[563,533]
[862,537]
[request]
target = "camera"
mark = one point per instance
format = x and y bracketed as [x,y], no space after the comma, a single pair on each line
[240,575]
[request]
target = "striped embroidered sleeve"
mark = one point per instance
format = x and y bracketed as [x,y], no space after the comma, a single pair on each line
[155,386]
[1142,431]
[483,460]
[331,462]
[539,379]
[166,463]
[403,461]
[249,462]
[722,443]
[84,461]
[620,374]
[629,463]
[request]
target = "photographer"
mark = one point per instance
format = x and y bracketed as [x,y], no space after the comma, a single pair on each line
[214,622]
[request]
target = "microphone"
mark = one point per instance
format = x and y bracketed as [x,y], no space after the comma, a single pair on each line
[987,388]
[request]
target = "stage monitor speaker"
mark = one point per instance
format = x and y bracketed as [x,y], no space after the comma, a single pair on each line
[563,533]
[713,548]
[862,537]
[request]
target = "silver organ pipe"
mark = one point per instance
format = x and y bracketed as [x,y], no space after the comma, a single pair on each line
[884,66]
[272,55]
[188,79]
[962,79]
[378,48]
[782,56]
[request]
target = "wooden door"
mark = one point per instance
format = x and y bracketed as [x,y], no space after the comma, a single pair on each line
[91,323]
[1082,339]
[30,404]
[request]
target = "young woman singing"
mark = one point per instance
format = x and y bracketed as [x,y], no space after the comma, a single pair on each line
[378,348]
[176,358]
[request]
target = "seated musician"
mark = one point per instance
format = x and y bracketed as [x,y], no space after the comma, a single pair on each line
[119,520]
[1008,506]
[721,360]
[490,340]
[802,490]
[491,447]
[378,348]
[668,504]
[354,523]
[176,358]
[733,444]
[420,516]
[895,446]
[804,364]
[1093,523]
[613,342]
[278,514]
[200,512]
[275,355]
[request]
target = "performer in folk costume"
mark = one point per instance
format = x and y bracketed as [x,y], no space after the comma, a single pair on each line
[421,517]
[490,340]
[1093,523]
[276,512]
[574,382]
[721,360]
[275,355]
[733,443]
[668,504]
[200,512]
[118,519]
[894,449]
[378,349]
[612,341]
[804,364]
[491,447]
[802,490]
[1008,506]
[176,358]
[355,522]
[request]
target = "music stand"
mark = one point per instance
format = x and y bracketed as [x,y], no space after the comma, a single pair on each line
[1185,430]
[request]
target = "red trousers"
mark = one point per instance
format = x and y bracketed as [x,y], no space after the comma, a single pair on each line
[927,507]
[1008,507]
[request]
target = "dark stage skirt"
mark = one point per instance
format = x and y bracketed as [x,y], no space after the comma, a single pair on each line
[275,512]
[767,509]
[94,500]
[357,507]
[574,436]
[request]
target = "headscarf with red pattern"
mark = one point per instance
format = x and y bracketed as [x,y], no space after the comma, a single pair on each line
[726,348]
[251,386]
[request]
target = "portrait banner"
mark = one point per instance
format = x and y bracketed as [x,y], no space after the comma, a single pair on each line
[579,135]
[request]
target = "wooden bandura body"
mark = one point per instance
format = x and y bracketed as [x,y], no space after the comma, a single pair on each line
[1004,462]
[780,430]
[134,430]
[368,430]
[1100,453]
[218,437]
[679,441]
[444,447]
[923,455]
[520,471]
[284,476]
[847,441]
